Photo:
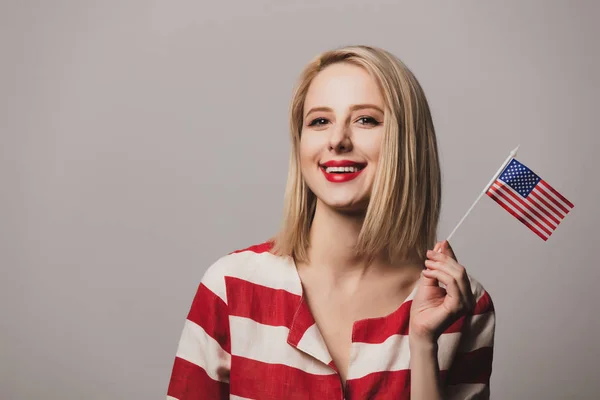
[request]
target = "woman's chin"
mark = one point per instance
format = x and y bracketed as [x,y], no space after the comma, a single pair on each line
[353,206]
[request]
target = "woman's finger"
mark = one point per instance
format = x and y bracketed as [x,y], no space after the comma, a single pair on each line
[464,287]
[454,269]
[447,250]
[445,259]
[459,275]
[428,281]
[454,302]
[452,287]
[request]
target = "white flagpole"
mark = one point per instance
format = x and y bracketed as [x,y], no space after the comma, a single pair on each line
[510,157]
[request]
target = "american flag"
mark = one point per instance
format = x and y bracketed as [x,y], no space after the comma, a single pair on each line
[530,199]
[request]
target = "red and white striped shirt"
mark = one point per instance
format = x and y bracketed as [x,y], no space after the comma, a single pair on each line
[250,335]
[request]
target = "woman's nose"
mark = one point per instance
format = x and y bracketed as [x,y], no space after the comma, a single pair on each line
[340,141]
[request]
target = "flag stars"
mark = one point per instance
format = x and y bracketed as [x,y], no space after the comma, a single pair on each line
[520,178]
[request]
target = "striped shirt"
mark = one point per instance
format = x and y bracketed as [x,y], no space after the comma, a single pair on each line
[249,334]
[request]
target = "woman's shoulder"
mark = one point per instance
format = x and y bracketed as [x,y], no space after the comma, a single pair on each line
[482,297]
[239,261]
[253,265]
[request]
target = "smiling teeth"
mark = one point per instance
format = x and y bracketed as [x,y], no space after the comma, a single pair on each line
[341,169]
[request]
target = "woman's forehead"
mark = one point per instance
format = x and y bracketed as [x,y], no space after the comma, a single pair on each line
[343,84]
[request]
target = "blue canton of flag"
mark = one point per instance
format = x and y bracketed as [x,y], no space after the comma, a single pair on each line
[520,178]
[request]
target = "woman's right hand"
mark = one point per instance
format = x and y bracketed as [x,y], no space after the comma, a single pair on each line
[435,308]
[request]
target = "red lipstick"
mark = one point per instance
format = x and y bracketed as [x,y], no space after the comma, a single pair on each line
[339,174]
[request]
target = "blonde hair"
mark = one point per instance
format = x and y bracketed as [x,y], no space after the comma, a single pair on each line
[402,216]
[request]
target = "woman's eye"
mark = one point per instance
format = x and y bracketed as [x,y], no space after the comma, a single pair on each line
[368,121]
[318,122]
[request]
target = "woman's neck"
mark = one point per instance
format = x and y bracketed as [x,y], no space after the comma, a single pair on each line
[333,239]
[332,255]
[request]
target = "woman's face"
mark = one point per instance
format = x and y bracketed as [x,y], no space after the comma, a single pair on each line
[341,136]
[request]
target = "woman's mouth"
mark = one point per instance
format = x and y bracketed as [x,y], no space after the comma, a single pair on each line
[341,171]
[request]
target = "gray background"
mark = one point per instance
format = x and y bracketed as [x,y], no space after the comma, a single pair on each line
[142,140]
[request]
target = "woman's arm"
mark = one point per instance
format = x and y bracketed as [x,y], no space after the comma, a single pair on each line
[424,371]
[203,359]
[471,369]
[433,310]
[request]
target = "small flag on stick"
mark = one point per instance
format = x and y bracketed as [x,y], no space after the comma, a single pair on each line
[529,199]
[526,196]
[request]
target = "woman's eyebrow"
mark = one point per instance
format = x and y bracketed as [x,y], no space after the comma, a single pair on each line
[353,107]
[315,109]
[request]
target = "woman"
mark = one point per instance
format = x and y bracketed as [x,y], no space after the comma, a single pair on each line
[346,302]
